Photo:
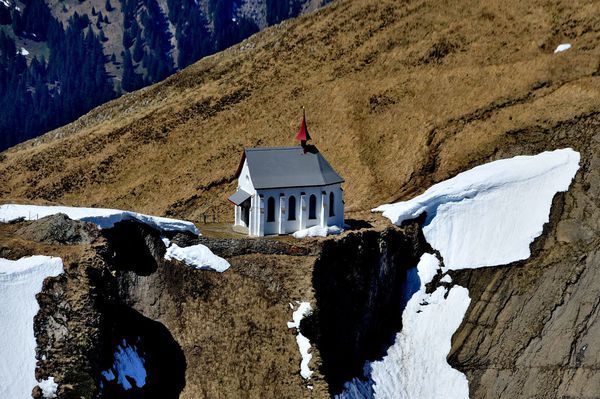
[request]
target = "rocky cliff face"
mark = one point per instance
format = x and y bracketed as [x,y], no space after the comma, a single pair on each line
[532,328]
[200,333]
[361,286]
[207,334]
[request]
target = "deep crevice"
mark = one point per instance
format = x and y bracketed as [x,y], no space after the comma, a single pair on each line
[362,283]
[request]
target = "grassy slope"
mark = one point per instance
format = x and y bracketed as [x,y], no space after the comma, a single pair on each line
[398,95]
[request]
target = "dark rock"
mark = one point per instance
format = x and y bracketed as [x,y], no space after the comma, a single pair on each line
[229,247]
[133,246]
[59,229]
[361,287]
[37,393]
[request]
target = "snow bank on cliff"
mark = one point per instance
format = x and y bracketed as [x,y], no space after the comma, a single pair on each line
[198,256]
[102,217]
[303,343]
[20,281]
[415,365]
[48,387]
[488,216]
[562,47]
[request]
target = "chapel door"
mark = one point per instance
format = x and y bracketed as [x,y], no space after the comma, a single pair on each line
[246,212]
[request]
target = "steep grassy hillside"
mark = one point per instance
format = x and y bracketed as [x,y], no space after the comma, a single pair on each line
[398,95]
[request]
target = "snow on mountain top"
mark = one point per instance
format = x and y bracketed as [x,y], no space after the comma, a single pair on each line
[504,202]
[102,217]
[6,3]
[562,47]
[198,256]
[23,51]
[20,281]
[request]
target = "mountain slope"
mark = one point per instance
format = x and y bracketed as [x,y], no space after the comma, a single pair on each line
[398,96]
[59,59]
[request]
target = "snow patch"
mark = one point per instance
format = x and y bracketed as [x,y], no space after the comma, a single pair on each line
[562,47]
[23,51]
[415,365]
[48,387]
[128,365]
[488,216]
[303,310]
[20,281]
[6,3]
[198,256]
[318,231]
[446,279]
[427,268]
[102,217]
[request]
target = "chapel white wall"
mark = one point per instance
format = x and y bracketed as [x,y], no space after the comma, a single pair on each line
[290,226]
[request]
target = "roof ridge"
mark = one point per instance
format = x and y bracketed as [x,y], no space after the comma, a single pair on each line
[278,167]
[271,148]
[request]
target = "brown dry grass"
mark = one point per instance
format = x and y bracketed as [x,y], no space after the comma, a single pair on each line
[398,95]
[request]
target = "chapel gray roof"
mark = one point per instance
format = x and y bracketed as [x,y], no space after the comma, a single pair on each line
[239,196]
[279,167]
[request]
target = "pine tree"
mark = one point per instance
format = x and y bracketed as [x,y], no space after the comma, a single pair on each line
[194,40]
[76,67]
[35,20]
[157,37]
[131,80]
[99,20]
[138,49]
[5,17]
[8,50]
[17,23]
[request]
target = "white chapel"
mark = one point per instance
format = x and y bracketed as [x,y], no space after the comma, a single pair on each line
[285,189]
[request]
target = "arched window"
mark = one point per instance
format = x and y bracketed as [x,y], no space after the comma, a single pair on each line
[312,207]
[271,209]
[331,204]
[292,208]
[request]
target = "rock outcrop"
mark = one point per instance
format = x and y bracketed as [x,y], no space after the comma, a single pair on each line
[361,287]
[532,330]
[201,333]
